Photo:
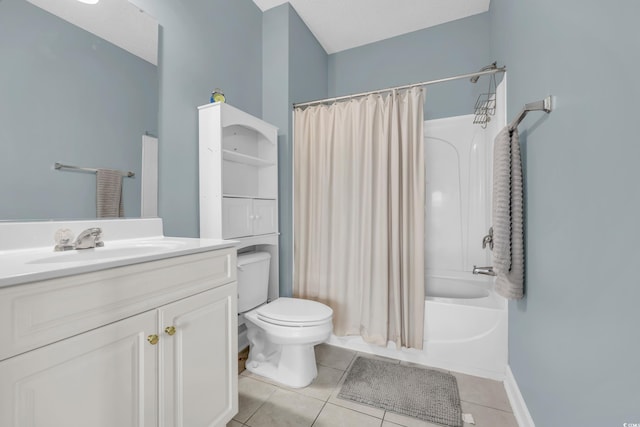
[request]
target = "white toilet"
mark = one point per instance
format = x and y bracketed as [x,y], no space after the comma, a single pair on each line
[281,334]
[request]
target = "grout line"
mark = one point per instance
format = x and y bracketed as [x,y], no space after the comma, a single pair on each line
[316,418]
[254,412]
[261,405]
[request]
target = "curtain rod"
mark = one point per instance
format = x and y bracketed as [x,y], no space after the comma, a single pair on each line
[446,79]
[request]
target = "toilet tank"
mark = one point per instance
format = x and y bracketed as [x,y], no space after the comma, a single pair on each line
[253,279]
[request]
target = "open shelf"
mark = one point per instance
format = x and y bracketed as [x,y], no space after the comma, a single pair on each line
[234,156]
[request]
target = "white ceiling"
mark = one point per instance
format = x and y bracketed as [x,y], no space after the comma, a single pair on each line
[342,24]
[337,24]
[117,21]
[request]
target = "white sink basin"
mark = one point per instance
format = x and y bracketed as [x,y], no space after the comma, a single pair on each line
[27,255]
[131,249]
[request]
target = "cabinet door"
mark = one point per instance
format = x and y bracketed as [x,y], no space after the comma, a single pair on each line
[237,217]
[102,378]
[200,370]
[265,216]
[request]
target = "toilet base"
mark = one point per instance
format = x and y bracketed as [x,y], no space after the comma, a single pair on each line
[290,365]
[285,354]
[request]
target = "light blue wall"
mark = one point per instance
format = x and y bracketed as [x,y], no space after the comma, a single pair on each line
[574,341]
[204,44]
[308,63]
[457,47]
[295,69]
[275,69]
[276,110]
[67,96]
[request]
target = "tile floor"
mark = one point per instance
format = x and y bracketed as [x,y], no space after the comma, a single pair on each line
[266,404]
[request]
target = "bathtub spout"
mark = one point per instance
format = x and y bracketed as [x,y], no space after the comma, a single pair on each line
[487,271]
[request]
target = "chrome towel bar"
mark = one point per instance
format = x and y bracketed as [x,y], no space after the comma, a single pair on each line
[94,170]
[543,105]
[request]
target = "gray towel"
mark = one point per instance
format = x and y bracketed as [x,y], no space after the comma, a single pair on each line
[109,194]
[508,234]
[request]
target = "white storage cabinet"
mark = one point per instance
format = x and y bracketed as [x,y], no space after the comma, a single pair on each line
[238,161]
[151,344]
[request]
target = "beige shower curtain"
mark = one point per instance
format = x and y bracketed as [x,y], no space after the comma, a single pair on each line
[359,196]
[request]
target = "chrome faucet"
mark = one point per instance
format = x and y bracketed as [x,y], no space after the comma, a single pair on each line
[89,238]
[487,271]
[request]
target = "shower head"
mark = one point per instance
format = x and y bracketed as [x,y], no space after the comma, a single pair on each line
[493,66]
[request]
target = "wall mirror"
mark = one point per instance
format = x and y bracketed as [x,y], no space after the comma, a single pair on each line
[73,97]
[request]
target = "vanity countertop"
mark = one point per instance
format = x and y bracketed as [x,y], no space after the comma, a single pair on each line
[28,264]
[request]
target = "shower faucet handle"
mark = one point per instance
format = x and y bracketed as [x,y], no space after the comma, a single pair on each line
[488,240]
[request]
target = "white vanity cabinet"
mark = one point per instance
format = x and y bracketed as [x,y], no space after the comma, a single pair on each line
[148,344]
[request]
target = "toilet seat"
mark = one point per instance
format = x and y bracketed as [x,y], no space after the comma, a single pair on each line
[294,312]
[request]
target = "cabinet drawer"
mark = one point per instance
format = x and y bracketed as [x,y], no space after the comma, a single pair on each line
[40,313]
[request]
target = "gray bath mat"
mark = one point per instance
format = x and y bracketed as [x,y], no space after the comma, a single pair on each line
[416,392]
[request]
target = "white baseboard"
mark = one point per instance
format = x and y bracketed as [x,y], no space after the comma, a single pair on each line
[518,405]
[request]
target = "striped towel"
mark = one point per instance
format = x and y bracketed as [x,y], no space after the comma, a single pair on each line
[109,194]
[508,227]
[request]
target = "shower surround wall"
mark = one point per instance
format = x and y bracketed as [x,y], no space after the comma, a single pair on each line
[458,182]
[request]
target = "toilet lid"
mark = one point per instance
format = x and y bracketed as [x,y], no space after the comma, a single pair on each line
[294,311]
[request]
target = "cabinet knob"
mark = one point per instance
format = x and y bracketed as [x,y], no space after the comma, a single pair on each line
[170,330]
[153,339]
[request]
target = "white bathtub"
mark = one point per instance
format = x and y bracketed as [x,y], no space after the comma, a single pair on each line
[465,329]
[465,326]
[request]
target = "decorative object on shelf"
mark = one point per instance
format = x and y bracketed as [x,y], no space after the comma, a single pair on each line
[217,95]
